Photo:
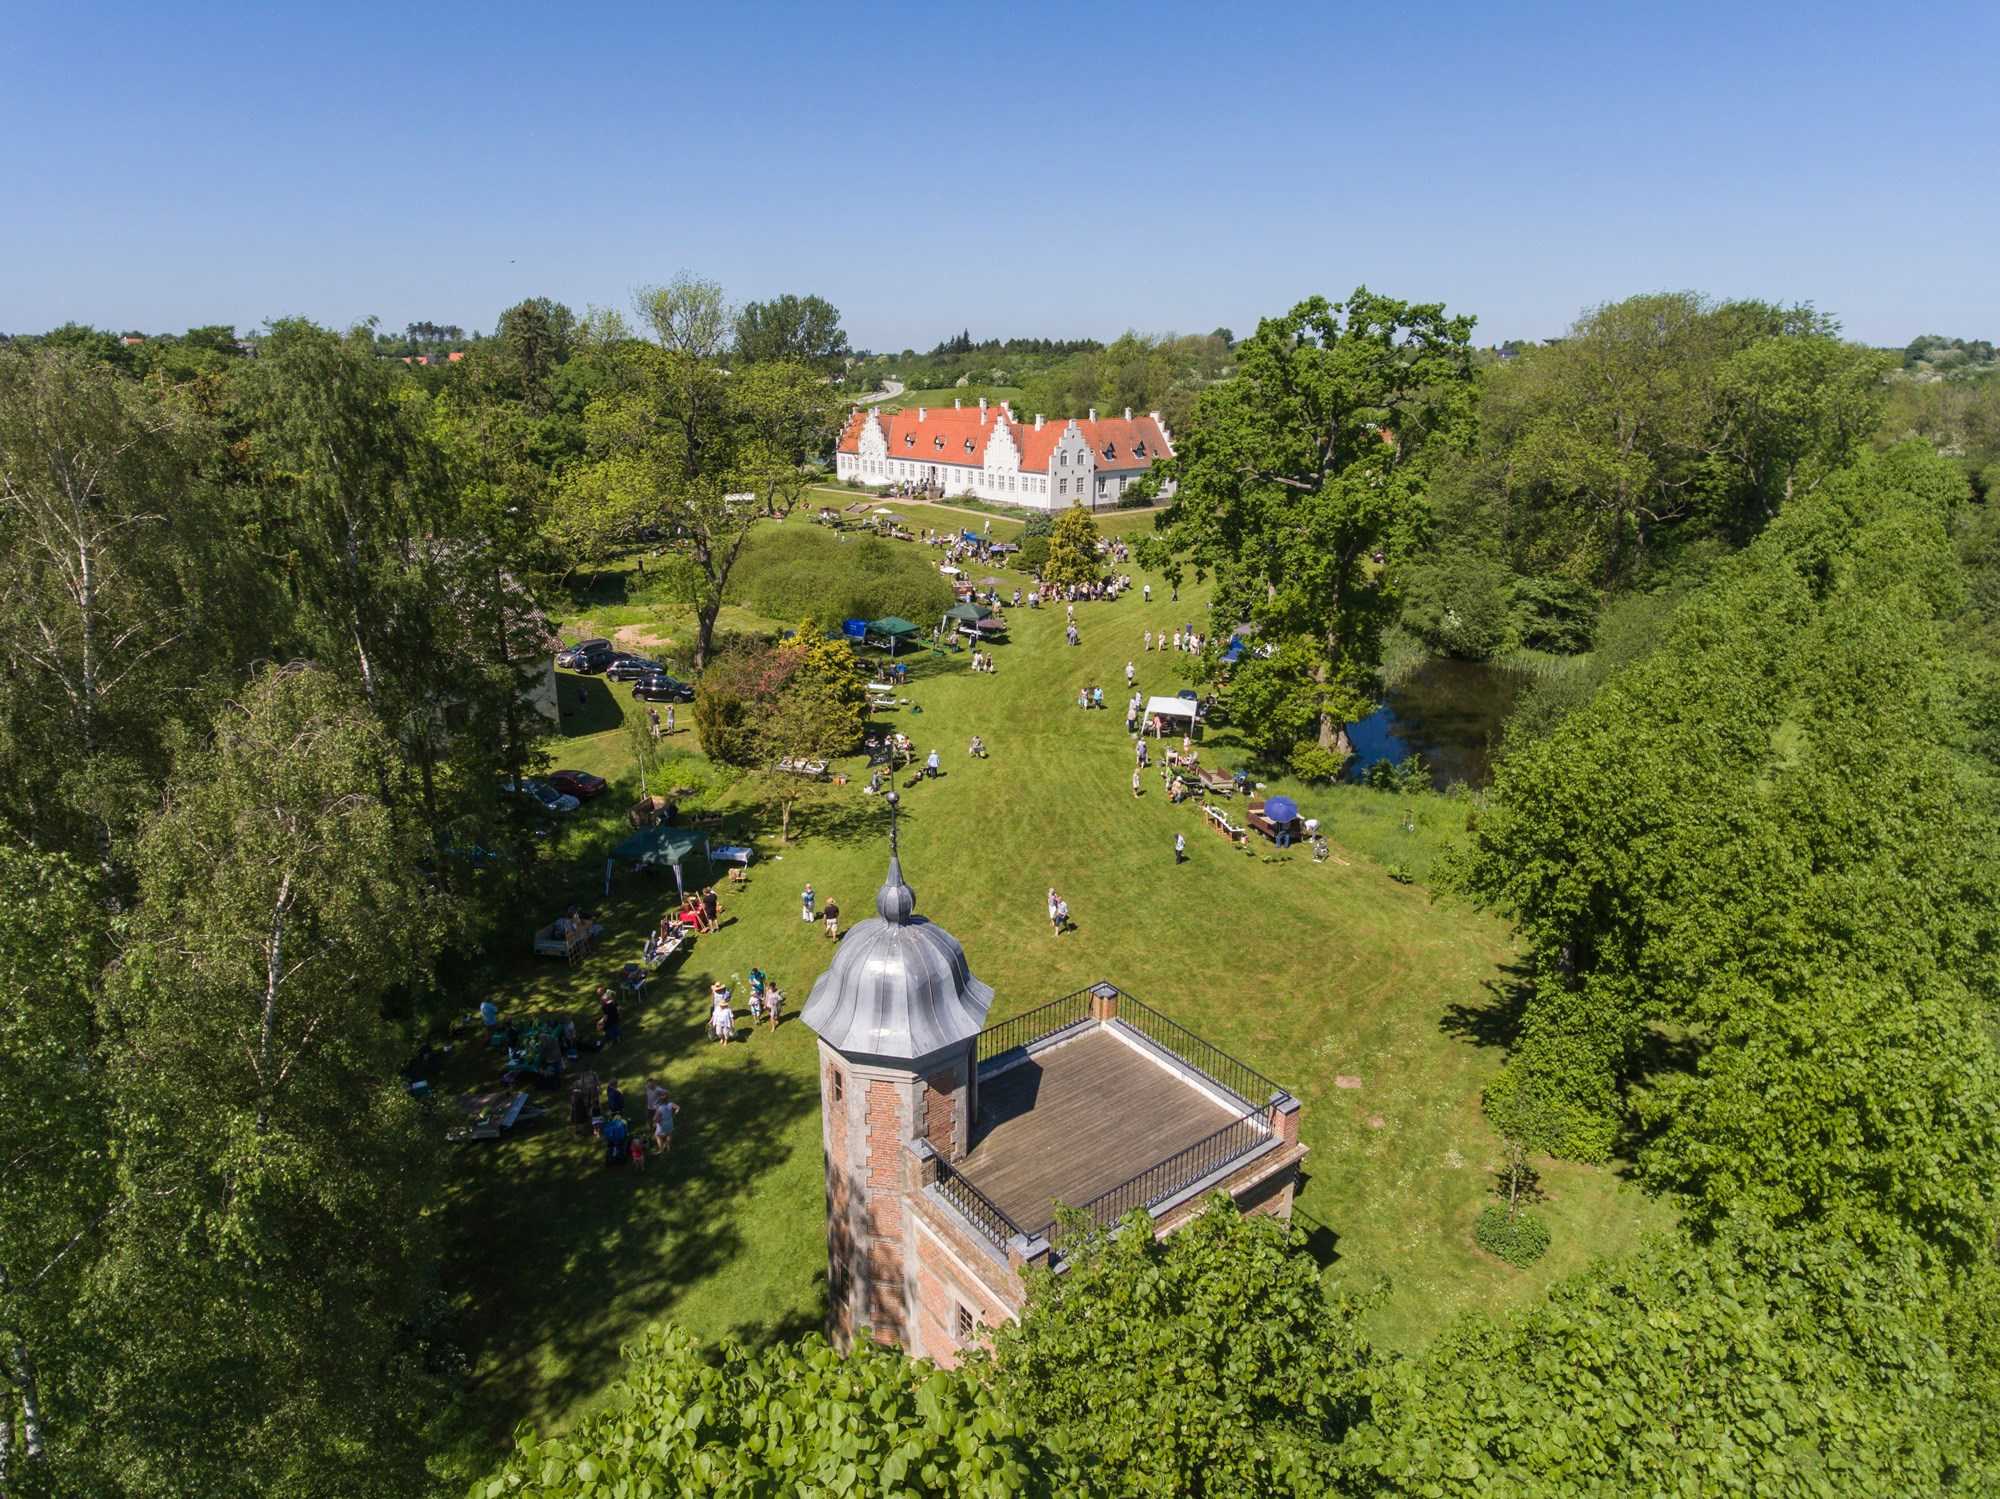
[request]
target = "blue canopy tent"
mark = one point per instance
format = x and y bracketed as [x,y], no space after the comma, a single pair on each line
[970,535]
[1281,809]
[854,629]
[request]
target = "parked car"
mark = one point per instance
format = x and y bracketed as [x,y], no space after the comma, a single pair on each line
[580,784]
[571,657]
[661,688]
[632,668]
[542,794]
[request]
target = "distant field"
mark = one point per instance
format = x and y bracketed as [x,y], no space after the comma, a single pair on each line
[969,394]
[1376,1003]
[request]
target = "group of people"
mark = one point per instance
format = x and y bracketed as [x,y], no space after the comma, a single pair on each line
[653,720]
[767,1002]
[830,913]
[1090,697]
[1058,912]
[603,1115]
[982,660]
[699,911]
[1184,639]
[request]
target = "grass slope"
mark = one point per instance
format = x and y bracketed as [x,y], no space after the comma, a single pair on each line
[1312,974]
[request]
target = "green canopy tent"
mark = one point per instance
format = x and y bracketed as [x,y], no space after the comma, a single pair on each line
[889,631]
[652,847]
[971,614]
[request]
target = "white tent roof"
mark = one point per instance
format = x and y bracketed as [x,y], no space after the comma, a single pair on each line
[1169,707]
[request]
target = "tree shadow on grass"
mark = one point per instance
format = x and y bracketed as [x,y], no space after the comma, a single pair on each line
[552,1248]
[587,704]
[1496,1021]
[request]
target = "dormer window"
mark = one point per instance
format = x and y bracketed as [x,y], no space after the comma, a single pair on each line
[1111,450]
[1139,449]
[909,439]
[938,442]
[968,445]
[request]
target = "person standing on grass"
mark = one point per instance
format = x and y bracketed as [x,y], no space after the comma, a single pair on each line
[670,718]
[1062,915]
[607,1018]
[1135,783]
[930,771]
[1180,848]
[806,902]
[1055,904]
[1148,638]
[663,1124]
[774,1001]
[833,919]
[1131,672]
[1146,594]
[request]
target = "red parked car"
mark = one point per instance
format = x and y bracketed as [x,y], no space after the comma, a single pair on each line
[580,784]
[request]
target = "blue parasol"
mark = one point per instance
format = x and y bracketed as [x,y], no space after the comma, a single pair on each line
[1281,809]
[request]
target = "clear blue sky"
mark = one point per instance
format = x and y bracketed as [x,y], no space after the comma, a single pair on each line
[1014,169]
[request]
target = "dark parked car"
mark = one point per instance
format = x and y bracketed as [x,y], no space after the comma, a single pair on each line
[580,784]
[632,668]
[542,794]
[661,688]
[571,657]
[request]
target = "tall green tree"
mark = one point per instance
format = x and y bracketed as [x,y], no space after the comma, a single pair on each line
[1290,476]
[680,443]
[59,1182]
[123,589]
[1767,838]
[1208,1362]
[1072,555]
[276,1249]
[791,1419]
[794,329]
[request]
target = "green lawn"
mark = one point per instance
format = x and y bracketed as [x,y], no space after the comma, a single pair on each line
[1312,974]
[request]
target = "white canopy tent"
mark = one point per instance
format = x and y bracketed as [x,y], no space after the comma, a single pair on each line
[1162,710]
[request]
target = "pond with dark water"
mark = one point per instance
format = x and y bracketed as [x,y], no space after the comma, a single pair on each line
[1450,712]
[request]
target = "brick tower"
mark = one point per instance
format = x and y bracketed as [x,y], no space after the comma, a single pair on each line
[897,1016]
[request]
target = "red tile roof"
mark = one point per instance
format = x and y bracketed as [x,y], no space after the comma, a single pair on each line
[941,437]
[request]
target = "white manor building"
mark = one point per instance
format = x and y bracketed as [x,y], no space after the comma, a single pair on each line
[989,454]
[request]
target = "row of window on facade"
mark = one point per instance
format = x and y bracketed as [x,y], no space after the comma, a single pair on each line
[893,468]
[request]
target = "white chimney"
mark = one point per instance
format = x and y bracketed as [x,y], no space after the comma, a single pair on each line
[920,413]
[1038,421]
[982,411]
[1128,413]
[1093,413]
[956,404]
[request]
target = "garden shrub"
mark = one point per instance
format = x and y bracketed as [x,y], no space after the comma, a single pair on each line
[1519,1240]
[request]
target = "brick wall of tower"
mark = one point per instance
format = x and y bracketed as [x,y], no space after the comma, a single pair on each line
[953,1269]
[841,1266]
[886,1132]
[941,1113]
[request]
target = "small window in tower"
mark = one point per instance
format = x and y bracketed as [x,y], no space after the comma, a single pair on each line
[839,1087]
[965,1326]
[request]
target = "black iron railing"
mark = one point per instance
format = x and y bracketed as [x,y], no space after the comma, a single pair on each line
[1245,1081]
[1176,1173]
[1033,1025]
[978,1208]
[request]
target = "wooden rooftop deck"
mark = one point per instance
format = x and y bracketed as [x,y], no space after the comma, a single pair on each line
[1079,1119]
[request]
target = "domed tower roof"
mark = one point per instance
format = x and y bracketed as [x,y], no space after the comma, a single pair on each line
[899,986]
